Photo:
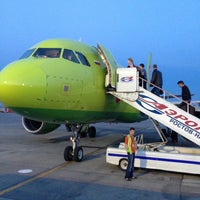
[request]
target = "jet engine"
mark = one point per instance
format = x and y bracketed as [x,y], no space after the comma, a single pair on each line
[37,127]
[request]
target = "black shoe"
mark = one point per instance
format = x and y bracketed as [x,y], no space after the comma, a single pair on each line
[110,88]
[128,179]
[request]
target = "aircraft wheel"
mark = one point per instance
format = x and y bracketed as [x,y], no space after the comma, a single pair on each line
[68,153]
[78,154]
[123,163]
[92,132]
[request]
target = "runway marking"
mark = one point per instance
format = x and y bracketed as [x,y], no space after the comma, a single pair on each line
[45,173]
[25,171]
[41,175]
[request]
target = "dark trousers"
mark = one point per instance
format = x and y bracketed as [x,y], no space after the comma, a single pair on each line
[185,107]
[130,167]
[174,137]
[156,91]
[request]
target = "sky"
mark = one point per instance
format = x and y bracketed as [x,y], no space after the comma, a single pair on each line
[170,30]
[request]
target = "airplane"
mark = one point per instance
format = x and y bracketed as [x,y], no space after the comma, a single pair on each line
[59,81]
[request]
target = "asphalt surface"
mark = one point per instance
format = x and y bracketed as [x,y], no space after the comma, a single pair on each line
[32,167]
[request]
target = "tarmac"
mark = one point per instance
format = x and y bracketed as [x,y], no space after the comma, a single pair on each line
[33,167]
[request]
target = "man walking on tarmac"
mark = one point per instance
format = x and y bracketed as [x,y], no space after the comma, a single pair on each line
[130,146]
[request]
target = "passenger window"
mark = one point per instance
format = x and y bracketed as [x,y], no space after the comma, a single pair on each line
[27,53]
[69,55]
[47,53]
[83,59]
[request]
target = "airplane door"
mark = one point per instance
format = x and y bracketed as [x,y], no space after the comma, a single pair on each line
[110,64]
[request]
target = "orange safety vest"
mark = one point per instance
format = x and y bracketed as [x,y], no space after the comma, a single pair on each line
[130,144]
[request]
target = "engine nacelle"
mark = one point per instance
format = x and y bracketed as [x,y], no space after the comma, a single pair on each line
[37,127]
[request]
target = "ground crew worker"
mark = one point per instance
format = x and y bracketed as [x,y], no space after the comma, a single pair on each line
[130,146]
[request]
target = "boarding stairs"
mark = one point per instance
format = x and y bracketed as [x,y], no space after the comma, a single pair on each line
[156,107]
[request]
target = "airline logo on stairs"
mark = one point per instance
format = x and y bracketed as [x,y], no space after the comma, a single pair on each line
[176,118]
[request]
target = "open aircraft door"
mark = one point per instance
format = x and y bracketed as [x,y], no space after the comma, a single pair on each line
[110,64]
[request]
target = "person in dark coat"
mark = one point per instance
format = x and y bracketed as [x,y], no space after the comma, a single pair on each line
[156,81]
[186,95]
[143,75]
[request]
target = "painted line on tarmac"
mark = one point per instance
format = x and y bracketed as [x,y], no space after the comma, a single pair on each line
[50,171]
[43,174]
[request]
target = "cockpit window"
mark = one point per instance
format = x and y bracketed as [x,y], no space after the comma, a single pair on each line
[83,59]
[27,53]
[69,55]
[47,53]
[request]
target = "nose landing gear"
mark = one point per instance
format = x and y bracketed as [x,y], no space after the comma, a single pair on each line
[74,152]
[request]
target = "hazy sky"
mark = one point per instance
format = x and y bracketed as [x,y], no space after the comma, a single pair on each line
[129,28]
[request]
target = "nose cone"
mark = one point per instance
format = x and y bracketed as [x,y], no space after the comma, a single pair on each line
[22,84]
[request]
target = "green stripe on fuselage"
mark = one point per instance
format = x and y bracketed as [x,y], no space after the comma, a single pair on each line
[77,116]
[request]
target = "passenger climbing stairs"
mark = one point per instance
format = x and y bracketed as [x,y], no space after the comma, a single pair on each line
[156,107]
